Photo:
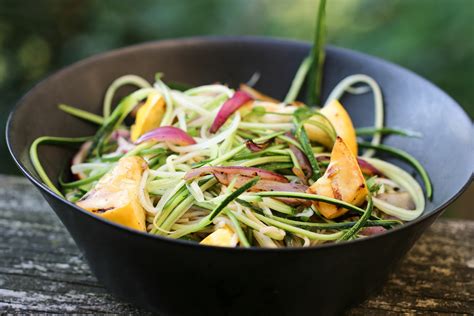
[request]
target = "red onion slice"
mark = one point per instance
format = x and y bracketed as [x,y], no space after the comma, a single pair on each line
[120,133]
[254,147]
[270,181]
[373,230]
[267,185]
[368,168]
[306,171]
[323,158]
[170,134]
[230,171]
[228,108]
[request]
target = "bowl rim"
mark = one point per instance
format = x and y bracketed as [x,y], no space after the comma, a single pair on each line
[199,40]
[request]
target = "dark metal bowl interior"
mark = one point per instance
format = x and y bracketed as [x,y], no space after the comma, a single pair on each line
[410,102]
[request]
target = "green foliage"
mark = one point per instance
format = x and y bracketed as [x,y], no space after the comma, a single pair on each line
[431,37]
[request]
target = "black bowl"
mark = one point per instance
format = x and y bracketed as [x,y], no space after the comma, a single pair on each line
[179,277]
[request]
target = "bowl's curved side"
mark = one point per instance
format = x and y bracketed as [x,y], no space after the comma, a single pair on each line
[170,279]
[159,273]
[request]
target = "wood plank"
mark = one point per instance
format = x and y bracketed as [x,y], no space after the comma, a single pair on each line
[435,277]
[42,271]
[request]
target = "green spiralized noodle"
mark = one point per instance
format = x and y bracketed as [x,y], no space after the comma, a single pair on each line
[351,232]
[91,117]
[143,195]
[213,88]
[300,231]
[406,181]
[116,84]
[276,234]
[410,159]
[33,152]
[168,116]
[238,229]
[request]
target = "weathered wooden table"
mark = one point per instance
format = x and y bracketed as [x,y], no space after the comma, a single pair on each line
[42,271]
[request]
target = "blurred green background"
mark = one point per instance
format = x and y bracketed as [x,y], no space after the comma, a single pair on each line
[431,37]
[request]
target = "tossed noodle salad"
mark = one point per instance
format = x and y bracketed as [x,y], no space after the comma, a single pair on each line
[237,168]
[233,168]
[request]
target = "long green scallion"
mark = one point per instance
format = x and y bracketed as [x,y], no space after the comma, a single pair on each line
[318,55]
[301,135]
[87,116]
[351,232]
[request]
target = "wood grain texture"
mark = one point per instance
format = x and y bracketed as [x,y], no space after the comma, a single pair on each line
[42,271]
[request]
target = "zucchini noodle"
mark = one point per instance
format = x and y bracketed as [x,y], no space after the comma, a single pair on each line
[82,167]
[119,82]
[143,194]
[36,161]
[211,141]
[404,180]
[214,89]
[181,101]
[169,113]
[165,198]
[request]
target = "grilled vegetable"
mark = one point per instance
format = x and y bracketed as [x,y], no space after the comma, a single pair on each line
[342,123]
[238,100]
[223,237]
[149,115]
[115,196]
[342,180]
[169,134]
[257,95]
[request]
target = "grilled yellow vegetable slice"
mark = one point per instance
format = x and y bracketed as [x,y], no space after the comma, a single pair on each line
[115,196]
[257,95]
[342,180]
[342,123]
[223,237]
[149,115]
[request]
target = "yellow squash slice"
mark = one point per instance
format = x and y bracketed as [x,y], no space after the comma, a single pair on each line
[149,115]
[223,237]
[115,197]
[342,180]
[342,123]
